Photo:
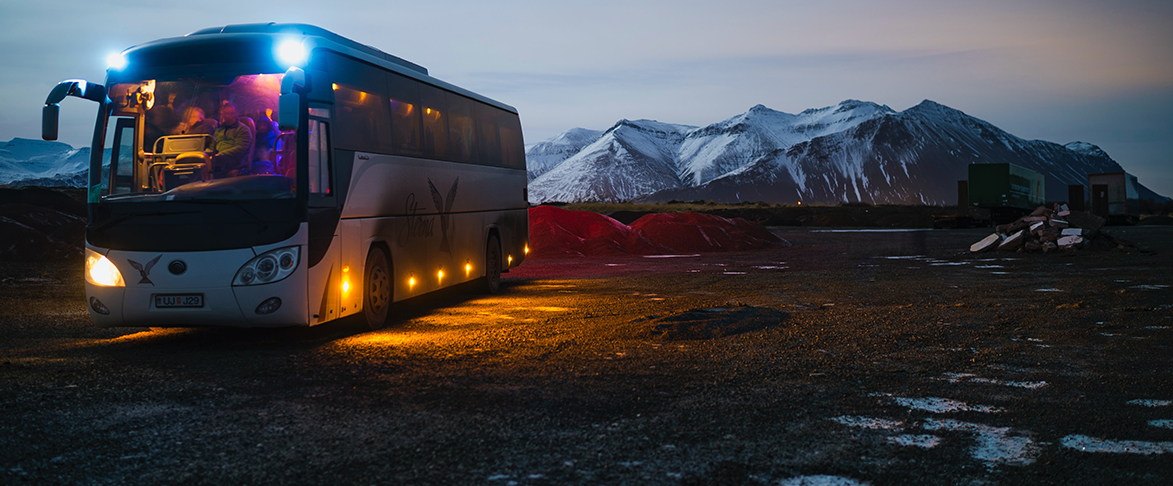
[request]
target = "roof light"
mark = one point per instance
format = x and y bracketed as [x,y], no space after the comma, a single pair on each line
[116,61]
[291,53]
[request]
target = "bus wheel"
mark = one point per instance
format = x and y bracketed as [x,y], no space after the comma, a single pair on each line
[376,300]
[492,283]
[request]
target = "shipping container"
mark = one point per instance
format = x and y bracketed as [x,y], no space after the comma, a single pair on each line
[1005,186]
[1114,197]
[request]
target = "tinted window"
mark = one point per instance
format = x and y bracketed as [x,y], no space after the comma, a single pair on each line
[435,115]
[512,146]
[361,105]
[405,114]
[488,137]
[461,134]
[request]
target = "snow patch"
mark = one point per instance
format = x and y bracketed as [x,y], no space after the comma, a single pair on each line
[821,480]
[939,405]
[1091,444]
[869,422]
[924,441]
[994,445]
[1144,402]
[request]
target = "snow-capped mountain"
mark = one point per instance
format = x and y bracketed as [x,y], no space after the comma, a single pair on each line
[25,162]
[543,156]
[854,151]
[631,159]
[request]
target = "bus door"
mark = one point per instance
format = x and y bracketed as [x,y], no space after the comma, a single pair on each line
[325,279]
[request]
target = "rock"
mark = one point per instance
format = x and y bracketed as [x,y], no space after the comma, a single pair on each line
[1012,242]
[1069,241]
[1033,245]
[986,244]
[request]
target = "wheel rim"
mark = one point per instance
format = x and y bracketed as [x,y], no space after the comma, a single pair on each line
[493,255]
[379,290]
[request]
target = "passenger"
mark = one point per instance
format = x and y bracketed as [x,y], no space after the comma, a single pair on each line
[266,131]
[234,142]
[162,120]
[195,123]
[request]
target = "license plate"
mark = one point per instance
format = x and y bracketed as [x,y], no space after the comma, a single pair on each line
[179,300]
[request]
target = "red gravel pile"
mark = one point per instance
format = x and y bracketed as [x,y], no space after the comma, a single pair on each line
[559,232]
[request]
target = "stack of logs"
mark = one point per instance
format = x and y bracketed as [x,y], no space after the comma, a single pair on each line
[1051,229]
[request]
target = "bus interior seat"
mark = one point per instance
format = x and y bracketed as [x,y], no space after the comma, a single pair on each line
[178,160]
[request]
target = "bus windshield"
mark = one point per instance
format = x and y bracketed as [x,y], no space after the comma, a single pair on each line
[198,138]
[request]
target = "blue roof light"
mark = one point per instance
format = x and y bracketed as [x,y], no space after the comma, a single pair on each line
[291,53]
[116,61]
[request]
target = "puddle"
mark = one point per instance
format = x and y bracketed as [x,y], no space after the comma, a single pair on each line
[999,273]
[923,441]
[948,264]
[994,444]
[886,230]
[1150,403]
[615,264]
[770,267]
[1092,444]
[732,273]
[673,256]
[1048,289]
[988,266]
[1163,423]
[912,257]
[1149,287]
[869,422]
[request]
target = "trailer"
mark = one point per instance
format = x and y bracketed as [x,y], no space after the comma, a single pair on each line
[1114,197]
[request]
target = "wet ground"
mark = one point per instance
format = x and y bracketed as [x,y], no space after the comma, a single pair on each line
[851,357]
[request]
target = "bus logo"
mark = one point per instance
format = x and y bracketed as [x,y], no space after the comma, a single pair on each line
[444,207]
[145,272]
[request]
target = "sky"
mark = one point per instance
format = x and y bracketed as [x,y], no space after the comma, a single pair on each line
[1093,71]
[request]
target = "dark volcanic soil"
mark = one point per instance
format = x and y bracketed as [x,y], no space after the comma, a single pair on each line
[881,358]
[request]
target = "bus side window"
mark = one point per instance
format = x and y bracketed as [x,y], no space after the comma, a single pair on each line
[488,139]
[405,115]
[512,146]
[461,135]
[319,157]
[435,113]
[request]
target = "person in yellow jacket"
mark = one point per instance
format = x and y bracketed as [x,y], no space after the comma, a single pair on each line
[234,143]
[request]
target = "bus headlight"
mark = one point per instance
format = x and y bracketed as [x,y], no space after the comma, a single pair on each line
[268,267]
[101,271]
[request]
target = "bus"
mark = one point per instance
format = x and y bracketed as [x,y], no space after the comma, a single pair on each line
[270,175]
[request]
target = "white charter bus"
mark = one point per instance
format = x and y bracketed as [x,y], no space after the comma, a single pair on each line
[282,175]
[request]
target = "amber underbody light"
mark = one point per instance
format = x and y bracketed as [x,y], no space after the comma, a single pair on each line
[345,279]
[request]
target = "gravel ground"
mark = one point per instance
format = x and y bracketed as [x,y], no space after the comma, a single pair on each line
[848,358]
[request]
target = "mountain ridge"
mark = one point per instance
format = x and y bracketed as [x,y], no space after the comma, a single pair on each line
[853,151]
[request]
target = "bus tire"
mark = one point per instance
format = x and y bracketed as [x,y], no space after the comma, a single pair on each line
[492,280]
[377,290]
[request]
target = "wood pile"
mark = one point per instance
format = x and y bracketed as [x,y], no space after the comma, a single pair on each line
[1051,229]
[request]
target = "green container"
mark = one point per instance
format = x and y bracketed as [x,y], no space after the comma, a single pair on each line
[1005,186]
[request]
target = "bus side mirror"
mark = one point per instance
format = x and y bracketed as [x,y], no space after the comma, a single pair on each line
[293,84]
[288,110]
[49,115]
